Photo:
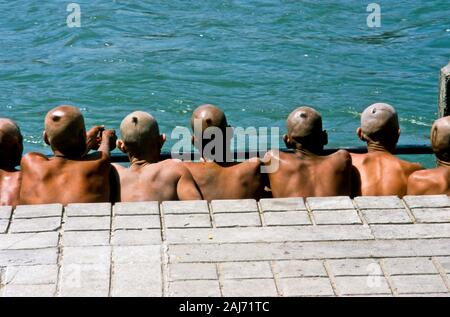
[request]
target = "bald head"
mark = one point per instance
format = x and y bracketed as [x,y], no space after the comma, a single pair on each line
[65,130]
[440,138]
[140,131]
[11,146]
[379,123]
[209,116]
[304,122]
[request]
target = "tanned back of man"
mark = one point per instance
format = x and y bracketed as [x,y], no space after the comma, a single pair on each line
[379,172]
[11,149]
[305,172]
[148,179]
[221,178]
[435,181]
[71,176]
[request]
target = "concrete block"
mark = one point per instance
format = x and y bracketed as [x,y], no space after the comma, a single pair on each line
[355,267]
[85,238]
[427,201]
[287,218]
[431,215]
[198,288]
[3,225]
[137,254]
[137,222]
[282,204]
[250,219]
[87,223]
[188,221]
[245,270]
[136,237]
[87,255]
[84,210]
[137,280]
[415,231]
[35,225]
[20,241]
[379,202]
[38,211]
[238,205]
[305,286]
[136,208]
[336,217]
[192,271]
[5,212]
[28,257]
[32,275]
[386,216]
[398,266]
[298,268]
[330,203]
[185,207]
[14,290]
[362,285]
[249,288]
[85,280]
[419,284]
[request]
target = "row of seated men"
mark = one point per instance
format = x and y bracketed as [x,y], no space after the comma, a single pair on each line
[76,174]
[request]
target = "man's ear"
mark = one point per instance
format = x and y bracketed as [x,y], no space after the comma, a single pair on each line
[121,146]
[46,140]
[360,134]
[324,137]
[162,140]
[286,141]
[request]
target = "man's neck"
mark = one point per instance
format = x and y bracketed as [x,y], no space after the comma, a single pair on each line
[8,168]
[300,149]
[145,159]
[442,163]
[57,153]
[375,147]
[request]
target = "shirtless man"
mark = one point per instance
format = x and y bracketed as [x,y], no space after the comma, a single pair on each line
[437,180]
[11,149]
[379,172]
[147,179]
[220,178]
[71,176]
[305,172]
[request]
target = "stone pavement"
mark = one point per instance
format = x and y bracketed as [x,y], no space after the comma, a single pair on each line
[374,246]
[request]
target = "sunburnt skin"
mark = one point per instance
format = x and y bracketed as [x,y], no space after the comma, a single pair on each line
[71,176]
[435,181]
[307,173]
[379,172]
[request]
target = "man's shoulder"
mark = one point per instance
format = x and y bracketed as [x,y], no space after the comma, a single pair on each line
[33,157]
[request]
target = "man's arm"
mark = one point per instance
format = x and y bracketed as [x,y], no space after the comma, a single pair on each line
[108,142]
[187,189]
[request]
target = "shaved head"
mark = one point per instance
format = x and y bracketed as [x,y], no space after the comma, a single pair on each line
[11,146]
[440,138]
[304,126]
[65,130]
[139,131]
[209,116]
[379,123]
[304,122]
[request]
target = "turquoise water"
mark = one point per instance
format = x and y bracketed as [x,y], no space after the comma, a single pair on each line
[256,59]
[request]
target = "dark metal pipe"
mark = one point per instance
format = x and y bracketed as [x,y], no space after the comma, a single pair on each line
[400,150]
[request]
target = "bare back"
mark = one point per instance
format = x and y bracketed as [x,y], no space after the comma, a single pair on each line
[381,174]
[9,187]
[434,181]
[236,181]
[162,181]
[299,175]
[61,180]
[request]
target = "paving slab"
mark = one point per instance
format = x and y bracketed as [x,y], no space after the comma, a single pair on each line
[38,211]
